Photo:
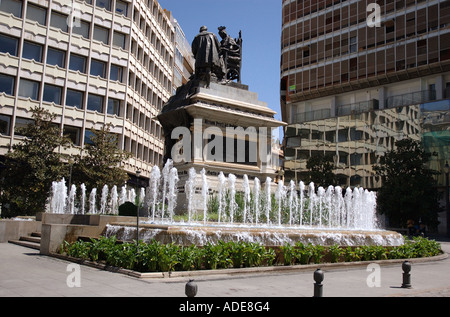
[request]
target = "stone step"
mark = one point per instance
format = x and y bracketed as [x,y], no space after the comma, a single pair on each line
[33,241]
[28,244]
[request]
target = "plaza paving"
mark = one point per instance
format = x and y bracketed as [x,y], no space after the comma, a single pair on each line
[24,272]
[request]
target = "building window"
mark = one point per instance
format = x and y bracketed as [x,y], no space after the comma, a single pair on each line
[95,103]
[122,7]
[20,124]
[98,68]
[7,84]
[32,51]
[12,6]
[77,63]
[52,94]
[119,39]
[73,133]
[5,124]
[87,137]
[59,21]
[105,4]
[36,13]
[74,98]
[101,34]
[29,89]
[113,107]
[81,28]
[56,57]
[115,73]
[353,45]
[8,45]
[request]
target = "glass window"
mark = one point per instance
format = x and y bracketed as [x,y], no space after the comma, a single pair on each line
[8,44]
[74,98]
[119,39]
[5,124]
[21,123]
[29,89]
[73,133]
[101,34]
[115,73]
[36,13]
[52,94]
[121,7]
[353,45]
[12,6]
[95,103]
[87,137]
[77,63]
[7,84]
[59,21]
[105,4]
[32,51]
[56,57]
[97,68]
[81,28]
[113,107]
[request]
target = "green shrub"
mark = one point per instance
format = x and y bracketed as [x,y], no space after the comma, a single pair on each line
[157,257]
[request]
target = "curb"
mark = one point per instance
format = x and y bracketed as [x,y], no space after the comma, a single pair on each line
[221,273]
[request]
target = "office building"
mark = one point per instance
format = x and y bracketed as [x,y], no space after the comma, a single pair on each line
[351,90]
[92,63]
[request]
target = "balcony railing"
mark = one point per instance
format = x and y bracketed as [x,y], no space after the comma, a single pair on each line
[313,115]
[411,98]
[356,108]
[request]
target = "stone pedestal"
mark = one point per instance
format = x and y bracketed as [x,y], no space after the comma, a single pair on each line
[222,128]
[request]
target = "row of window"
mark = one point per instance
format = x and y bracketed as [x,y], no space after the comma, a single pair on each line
[74,133]
[51,93]
[34,51]
[62,22]
[15,7]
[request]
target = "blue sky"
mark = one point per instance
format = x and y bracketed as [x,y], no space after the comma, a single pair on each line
[260,22]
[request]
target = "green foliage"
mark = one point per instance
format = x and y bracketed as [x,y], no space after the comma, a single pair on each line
[320,170]
[408,190]
[158,257]
[32,166]
[100,163]
[128,209]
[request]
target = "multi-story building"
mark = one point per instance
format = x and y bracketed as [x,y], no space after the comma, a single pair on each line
[350,89]
[184,60]
[91,62]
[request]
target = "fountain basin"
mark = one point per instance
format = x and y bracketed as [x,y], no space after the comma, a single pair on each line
[200,234]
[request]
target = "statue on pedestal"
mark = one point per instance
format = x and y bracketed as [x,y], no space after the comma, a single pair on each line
[214,60]
[208,63]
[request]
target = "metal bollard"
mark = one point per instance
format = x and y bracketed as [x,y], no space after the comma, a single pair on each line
[190,289]
[406,266]
[318,286]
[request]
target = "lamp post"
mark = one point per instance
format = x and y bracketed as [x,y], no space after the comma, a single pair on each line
[138,173]
[447,207]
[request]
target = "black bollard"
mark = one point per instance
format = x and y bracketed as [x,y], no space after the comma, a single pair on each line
[190,289]
[318,286]
[406,266]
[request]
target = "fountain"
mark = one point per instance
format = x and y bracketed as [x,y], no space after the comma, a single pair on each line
[273,216]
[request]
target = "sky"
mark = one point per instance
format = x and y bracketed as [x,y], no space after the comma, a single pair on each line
[260,22]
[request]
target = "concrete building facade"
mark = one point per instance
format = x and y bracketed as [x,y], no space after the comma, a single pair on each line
[92,62]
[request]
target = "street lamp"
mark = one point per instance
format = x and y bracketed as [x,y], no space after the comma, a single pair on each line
[447,207]
[138,173]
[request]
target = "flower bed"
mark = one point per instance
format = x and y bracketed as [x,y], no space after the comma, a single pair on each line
[157,257]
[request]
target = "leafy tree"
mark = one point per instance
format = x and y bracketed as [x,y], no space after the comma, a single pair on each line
[321,170]
[99,164]
[32,166]
[408,187]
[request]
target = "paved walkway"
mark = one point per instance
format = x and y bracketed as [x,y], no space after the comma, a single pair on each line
[24,272]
